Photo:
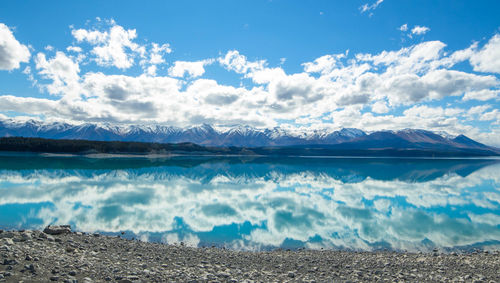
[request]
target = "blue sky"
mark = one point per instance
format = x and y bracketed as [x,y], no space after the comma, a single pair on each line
[300,65]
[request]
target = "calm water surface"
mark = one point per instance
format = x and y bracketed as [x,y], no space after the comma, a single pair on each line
[261,203]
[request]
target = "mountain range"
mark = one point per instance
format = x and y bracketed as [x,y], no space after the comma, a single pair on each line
[346,139]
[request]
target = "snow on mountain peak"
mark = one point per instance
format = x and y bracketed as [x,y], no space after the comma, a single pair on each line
[205,134]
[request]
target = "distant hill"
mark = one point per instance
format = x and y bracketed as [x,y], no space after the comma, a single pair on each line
[245,140]
[242,136]
[376,144]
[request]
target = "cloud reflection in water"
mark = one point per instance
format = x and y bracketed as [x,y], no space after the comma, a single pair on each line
[260,203]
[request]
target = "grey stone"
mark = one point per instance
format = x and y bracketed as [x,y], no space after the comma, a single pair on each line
[8,241]
[57,230]
[4,248]
[8,235]
[26,236]
[10,262]
[30,267]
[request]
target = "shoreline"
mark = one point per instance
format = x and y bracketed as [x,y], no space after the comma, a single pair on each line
[178,155]
[66,256]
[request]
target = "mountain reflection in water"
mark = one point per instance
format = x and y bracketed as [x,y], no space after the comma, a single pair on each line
[260,203]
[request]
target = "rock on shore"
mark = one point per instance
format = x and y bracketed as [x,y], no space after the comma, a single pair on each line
[34,256]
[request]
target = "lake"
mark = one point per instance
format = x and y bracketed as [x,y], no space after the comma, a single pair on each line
[260,203]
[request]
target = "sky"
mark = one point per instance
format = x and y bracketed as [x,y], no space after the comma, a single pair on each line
[298,65]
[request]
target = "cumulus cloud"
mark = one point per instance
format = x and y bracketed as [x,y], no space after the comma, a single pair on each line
[157,51]
[34,106]
[12,52]
[482,95]
[419,30]
[332,91]
[380,107]
[62,70]
[324,64]
[238,63]
[113,47]
[417,117]
[488,58]
[193,69]
[75,49]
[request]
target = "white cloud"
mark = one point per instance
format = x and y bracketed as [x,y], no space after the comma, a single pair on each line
[238,63]
[367,7]
[402,77]
[354,90]
[12,52]
[325,64]
[154,57]
[403,27]
[151,70]
[380,107]
[193,69]
[75,49]
[63,72]
[114,47]
[419,30]
[157,51]
[416,117]
[488,58]
[482,95]
[490,116]
[34,106]
[477,110]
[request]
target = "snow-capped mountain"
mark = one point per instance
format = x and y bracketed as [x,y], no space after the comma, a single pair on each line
[240,136]
[202,134]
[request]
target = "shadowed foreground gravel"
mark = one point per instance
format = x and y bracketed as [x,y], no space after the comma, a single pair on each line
[34,256]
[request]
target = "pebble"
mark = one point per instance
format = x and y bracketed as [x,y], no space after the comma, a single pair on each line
[4,248]
[57,230]
[88,258]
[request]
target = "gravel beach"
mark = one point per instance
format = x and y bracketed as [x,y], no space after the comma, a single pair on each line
[62,255]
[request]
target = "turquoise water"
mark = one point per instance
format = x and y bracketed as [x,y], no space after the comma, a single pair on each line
[261,203]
